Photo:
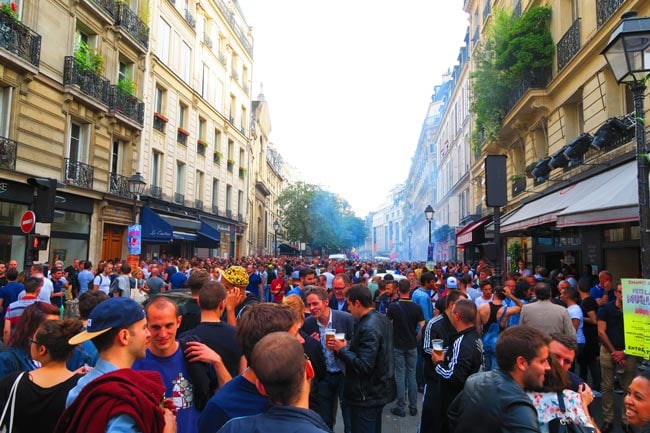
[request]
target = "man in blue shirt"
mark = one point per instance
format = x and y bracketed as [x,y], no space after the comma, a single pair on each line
[119,331]
[85,277]
[602,292]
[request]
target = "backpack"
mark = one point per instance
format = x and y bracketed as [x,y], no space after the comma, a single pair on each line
[491,336]
[114,287]
[91,283]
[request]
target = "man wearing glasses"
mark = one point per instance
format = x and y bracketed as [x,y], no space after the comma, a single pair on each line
[613,360]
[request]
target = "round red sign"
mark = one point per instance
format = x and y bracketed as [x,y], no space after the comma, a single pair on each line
[27,221]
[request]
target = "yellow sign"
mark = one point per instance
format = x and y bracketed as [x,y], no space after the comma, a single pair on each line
[636,316]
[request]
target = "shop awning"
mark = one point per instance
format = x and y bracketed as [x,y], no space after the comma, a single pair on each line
[466,234]
[546,209]
[209,237]
[186,224]
[615,201]
[288,250]
[154,228]
[185,236]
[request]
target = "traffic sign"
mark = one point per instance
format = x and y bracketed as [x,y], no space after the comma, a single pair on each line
[27,221]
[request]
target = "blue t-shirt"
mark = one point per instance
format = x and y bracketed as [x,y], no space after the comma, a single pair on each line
[254,281]
[236,398]
[178,280]
[84,277]
[9,294]
[173,371]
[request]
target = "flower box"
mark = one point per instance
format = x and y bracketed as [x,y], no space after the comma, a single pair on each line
[160,117]
[183,131]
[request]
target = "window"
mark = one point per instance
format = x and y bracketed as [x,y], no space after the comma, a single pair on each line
[156,168]
[241,157]
[186,61]
[182,115]
[5,110]
[164,31]
[231,149]
[205,78]
[217,140]
[159,100]
[78,144]
[202,126]
[243,118]
[180,178]
[215,193]
[115,157]
[198,185]
[125,71]
[240,202]
[228,199]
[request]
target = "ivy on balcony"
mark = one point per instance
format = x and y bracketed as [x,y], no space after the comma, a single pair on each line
[516,50]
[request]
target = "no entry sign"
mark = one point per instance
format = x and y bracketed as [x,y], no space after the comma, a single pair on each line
[27,221]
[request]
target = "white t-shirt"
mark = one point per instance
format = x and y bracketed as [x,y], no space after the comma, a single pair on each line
[103,281]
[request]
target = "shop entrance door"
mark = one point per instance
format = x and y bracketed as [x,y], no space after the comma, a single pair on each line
[113,242]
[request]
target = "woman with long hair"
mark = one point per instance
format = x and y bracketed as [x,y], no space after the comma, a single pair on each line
[41,393]
[16,356]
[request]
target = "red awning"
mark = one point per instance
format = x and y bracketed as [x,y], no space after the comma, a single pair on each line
[465,235]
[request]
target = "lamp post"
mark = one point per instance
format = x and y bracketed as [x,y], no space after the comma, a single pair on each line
[410,234]
[276,227]
[136,188]
[428,214]
[628,55]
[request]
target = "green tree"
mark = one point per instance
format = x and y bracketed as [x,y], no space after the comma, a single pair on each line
[319,218]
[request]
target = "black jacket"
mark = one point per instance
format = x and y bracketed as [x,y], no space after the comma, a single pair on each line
[492,402]
[369,373]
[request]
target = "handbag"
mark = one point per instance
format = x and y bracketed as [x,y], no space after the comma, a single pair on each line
[564,424]
[11,401]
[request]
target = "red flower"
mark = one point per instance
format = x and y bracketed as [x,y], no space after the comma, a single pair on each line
[14,7]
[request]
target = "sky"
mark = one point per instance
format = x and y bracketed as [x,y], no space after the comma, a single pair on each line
[348,84]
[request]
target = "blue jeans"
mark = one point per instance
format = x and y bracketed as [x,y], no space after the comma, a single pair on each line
[366,419]
[330,393]
[405,361]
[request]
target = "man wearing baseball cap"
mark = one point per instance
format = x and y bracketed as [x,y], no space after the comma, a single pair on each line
[235,278]
[112,397]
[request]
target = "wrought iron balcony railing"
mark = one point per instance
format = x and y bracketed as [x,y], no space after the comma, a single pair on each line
[155,191]
[107,6]
[129,21]
[79,174]
[119,185]
[222,58]
[228,213]
[8,149]
[128,105]
[181,138]
[538,80]
[605,9]
[90,83]
[20,39]
[190,18]
[225,11]
[518,186]
[240,217]
[179,198]
[198,204]
[569,45]
[215,210]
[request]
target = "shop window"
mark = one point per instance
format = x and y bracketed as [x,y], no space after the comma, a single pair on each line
[614,234]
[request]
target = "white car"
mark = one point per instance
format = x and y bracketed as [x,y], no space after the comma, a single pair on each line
[396,277]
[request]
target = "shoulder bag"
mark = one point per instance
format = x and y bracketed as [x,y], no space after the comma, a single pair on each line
[11,401]
[564,424]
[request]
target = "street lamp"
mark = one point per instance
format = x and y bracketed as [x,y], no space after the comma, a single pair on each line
[628,55]
[428,214]
[276,227]
[136,188]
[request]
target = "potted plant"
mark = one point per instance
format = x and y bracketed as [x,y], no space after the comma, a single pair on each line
[216,157]
[10,9]
[242,172]
[516,178]
[88,59]
[528,171]
[231,162]
[201,145]
[126,85]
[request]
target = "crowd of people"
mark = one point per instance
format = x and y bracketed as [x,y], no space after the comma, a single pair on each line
[262,343]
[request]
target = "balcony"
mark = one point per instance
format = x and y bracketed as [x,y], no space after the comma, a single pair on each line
[605,9]
[198,204]
[246,89]
[189,19]
[105,7]
[242,130]
[21,41]
[225,11]
[240,217]
[228,213]
[215,210]
[8,149]
[179,198]
[538,80]
[125,104]
[119,185]
[128,21]
[569,45]
[234,75]
[88,82]
[155,191]
[207,41]
[79,174]
[261,186]
[231,119]
[222,58]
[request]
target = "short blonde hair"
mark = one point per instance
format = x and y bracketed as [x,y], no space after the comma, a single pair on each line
[297,307]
